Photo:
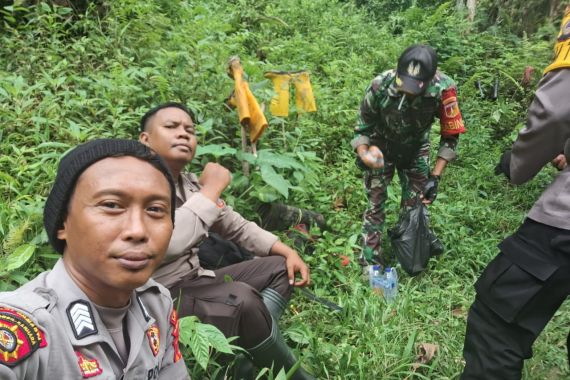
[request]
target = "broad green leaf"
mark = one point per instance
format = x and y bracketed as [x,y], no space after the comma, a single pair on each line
[200,349]
[206,126]
[19,257]
[187,327]
[216,150]
[275,180]
[265,157]
[245,156]
[215,337]
[265,194]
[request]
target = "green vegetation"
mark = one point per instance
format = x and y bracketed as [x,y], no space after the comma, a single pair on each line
[67,76]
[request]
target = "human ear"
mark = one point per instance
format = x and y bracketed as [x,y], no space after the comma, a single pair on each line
[143,138]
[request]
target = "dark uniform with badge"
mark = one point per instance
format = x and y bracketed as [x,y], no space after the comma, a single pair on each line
[521,289]
[400,125]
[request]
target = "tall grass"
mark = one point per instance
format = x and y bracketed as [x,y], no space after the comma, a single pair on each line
[67,78]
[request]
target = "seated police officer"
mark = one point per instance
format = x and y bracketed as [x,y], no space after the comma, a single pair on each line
[249,305]
[97,314]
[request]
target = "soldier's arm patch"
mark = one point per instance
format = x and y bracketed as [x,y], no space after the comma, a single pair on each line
[450,117]
[19,337]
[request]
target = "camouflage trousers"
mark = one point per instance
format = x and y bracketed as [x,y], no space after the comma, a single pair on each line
[376,181]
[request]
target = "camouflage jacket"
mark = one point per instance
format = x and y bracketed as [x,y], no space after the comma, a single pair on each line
[401,126]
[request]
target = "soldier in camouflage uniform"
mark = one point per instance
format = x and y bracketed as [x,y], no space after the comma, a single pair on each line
[392,134]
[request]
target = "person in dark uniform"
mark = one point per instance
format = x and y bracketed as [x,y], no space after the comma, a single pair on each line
[521,289]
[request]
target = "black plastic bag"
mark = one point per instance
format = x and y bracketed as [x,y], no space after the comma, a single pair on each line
[216,252]
[413,241]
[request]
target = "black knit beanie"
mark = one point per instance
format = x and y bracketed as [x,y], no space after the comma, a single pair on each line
[75,162]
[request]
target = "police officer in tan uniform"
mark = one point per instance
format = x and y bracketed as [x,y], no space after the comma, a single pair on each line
[96,314]
[249,305]
[522,288]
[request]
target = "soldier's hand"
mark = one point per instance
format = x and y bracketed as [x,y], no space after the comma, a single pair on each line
[372,157]
[559,162]
[430,189]
[214,180]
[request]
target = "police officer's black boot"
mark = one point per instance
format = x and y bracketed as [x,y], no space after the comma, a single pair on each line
[273,351]
[243,368]
[274,302]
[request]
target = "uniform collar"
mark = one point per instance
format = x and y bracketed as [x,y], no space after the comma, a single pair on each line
[80,318]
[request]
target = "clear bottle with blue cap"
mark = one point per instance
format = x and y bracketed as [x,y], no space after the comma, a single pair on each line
[390,284]
[376,278]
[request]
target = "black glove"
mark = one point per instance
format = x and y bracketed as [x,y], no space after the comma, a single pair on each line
[504,165]
[430,188]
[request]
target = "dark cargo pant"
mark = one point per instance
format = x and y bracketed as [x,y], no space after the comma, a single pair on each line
[517,294]
[412,180]
[231,301]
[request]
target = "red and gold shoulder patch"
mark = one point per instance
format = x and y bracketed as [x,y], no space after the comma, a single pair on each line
[175,335]
[19,337]
[449,115]
[153,335]
[88,367]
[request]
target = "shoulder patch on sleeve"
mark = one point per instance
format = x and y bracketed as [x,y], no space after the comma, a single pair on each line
[175,335]
[19,337]
[450,117]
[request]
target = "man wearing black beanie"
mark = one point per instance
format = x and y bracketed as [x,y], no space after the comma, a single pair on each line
[110,214]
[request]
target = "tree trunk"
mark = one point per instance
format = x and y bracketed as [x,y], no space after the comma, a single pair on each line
[471,9]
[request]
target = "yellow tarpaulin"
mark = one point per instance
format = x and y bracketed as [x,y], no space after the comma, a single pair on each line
[249,112]
[304,98]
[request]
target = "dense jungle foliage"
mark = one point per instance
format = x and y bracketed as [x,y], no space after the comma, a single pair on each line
[74,71]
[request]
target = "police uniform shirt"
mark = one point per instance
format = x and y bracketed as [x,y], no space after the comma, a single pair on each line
[49,330]
[196,215]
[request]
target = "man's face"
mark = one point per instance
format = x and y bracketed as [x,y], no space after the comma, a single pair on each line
[118,226]
[171,134]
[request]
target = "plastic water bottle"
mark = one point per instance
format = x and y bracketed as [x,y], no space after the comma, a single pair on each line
[391,284]
[376,279]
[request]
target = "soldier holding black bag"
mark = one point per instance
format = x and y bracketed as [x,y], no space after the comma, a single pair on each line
[392,135]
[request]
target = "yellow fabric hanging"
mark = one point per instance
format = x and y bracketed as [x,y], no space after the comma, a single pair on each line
[304,98]
[562,47]
[249,112]
[279,105]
